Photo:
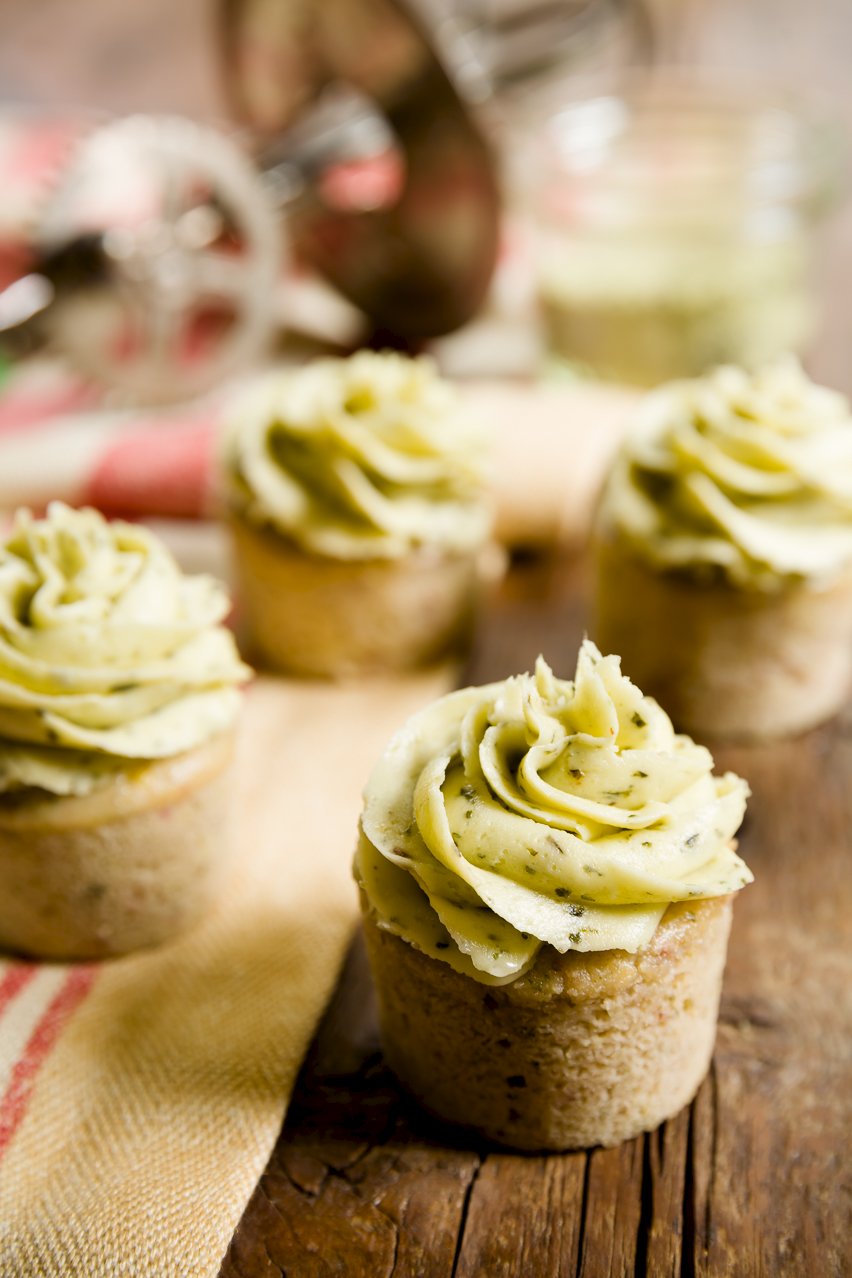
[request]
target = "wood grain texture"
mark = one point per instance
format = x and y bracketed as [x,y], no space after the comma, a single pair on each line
[752,1181]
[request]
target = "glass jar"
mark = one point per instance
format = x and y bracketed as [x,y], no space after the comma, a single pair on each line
[674,230]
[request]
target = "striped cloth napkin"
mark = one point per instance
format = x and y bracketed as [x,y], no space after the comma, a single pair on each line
[140,1098]
[551,446]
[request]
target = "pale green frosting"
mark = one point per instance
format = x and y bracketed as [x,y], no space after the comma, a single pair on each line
[109,655]
[367,457]
[750,473]
[542,811]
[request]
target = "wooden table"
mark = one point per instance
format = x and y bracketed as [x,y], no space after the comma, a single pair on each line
[753,1179]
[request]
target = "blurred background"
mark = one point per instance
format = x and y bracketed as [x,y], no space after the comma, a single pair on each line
[614,191]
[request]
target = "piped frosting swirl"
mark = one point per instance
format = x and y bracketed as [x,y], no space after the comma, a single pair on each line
[109,655]
[747,474]
[543,811]
[367,457]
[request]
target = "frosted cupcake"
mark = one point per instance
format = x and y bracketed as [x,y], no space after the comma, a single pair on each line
[118,703]
[724,552]
[356,492]
[546,873]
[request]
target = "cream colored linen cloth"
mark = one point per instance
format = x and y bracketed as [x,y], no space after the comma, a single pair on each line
[140,1098]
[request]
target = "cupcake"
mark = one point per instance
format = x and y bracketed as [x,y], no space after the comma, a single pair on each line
[546,874]
[356,494]
[118,703]
[724,552]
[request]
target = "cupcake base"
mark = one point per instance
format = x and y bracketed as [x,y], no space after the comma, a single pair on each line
[307,614]
[585,1049]
[726,662]
[130,865]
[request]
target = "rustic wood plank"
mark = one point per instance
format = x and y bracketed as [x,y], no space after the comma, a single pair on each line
[520,1219]
[541,606]
[612,1206]
[663,1229]
[778,1122]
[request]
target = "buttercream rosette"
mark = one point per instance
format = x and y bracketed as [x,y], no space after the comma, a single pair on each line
[109,656]
[749,474]
[361,458]
[541,811]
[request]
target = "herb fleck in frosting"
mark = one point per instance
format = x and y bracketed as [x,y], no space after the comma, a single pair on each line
[543,811]
[360,458]
[749,474]
[109,655]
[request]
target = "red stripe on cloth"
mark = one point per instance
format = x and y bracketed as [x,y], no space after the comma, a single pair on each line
[28,409]
[159,470]
[16,979]
[15,1102]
